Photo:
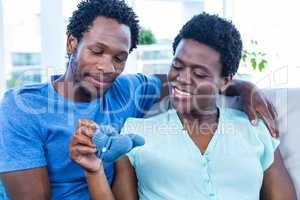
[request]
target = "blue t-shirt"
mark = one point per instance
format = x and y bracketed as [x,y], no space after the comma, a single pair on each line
[36,125]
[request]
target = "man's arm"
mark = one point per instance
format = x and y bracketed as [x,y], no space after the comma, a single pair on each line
[164,92]
[277,184]
[252,101]
[32,184]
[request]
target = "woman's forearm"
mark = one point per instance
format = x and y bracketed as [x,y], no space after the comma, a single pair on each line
[98,186]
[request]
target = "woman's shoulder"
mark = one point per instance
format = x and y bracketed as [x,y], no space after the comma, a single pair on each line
[238,122]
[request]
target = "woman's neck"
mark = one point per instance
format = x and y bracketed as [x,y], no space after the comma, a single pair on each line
[203,122]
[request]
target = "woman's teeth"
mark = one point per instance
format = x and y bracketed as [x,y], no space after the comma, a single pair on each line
[180,93]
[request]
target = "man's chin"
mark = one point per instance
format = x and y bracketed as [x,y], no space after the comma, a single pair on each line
[94,90]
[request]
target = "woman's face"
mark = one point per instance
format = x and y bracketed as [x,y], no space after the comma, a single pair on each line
[195,77]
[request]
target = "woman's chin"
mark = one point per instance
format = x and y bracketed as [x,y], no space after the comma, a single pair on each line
[181,107]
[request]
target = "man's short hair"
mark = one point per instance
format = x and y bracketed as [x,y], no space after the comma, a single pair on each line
[88,10]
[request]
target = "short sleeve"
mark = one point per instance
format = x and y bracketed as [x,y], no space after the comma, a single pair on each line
[21,145]
[132,157]
[270,145]
[133,125]
[136,93]
[147,92]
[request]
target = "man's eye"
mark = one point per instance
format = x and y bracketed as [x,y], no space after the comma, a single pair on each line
[119,60]
[175,66]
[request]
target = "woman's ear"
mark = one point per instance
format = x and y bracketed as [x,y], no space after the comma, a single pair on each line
[71,44]
[225,82]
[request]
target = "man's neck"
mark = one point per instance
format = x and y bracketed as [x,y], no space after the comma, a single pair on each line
[69,89]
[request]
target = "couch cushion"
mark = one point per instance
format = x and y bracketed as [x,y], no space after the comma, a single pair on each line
[286,102]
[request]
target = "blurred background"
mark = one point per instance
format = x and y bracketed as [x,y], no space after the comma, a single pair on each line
[32,38]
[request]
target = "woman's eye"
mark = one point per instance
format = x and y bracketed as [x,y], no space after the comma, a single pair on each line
[97,51]
[201,75]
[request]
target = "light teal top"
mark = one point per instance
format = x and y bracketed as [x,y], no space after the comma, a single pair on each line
[171,167]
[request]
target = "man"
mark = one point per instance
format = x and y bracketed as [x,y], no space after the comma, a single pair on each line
[37,122]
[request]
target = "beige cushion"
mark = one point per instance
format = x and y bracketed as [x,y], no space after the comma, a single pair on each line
[286,102]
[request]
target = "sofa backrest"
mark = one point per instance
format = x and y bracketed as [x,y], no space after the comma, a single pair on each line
[286,102]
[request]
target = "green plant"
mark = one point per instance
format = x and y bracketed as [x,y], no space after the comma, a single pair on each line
[146,37]
[254,57]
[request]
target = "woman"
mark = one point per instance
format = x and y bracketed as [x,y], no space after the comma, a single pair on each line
[196,150]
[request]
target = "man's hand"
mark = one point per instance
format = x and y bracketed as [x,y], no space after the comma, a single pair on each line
[253,102]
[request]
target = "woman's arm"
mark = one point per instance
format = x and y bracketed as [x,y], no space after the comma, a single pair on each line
[125,183]
[98,186]
[277,184]
[82,151]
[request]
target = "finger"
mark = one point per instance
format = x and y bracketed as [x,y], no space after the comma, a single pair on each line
[85,131]
[251,114]
[84,140]
[92,125]
[274,114]
[270,122]
[89,123]
[272,110]
[85,150]
[80,123]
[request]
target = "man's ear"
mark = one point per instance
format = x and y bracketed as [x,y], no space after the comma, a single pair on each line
[225,82]
[71,44]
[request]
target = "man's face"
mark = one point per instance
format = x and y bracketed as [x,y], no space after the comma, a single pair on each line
[100,55]
[195,76]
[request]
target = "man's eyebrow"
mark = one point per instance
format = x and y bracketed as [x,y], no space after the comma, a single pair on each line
[179,60]
[100,44]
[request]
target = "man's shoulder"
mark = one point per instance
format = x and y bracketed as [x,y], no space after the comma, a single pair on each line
[27,94]
[27,89]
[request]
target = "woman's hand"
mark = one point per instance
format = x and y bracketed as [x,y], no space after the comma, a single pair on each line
[81,149]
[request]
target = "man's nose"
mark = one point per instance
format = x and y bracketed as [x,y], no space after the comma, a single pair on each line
[106,65]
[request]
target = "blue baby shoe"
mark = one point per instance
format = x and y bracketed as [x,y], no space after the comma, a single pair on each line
[111,145]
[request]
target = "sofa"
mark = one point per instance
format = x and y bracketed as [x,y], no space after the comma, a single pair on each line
[286,103]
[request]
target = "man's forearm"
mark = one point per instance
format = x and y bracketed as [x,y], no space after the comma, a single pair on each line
[164,85]
[236,87]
